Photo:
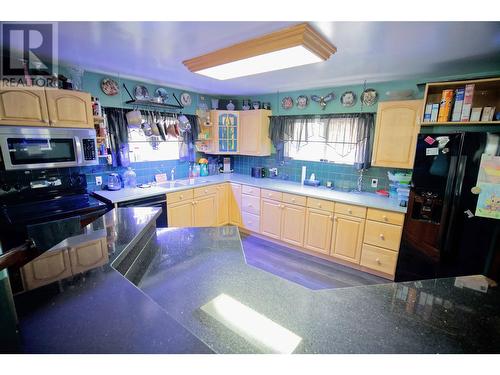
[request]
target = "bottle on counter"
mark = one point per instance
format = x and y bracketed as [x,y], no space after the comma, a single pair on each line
[130,178]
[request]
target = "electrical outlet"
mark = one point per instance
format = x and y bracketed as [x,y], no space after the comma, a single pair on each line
[98,180]
[374,182]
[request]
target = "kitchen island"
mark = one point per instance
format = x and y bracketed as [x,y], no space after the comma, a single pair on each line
[196,294]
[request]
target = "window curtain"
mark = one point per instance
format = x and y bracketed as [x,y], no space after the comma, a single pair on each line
[117,124]
[187,151]
[343,133]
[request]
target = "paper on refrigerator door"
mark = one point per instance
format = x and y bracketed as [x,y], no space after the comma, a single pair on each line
[488,182]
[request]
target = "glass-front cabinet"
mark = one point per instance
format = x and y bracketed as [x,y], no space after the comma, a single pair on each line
[226,132]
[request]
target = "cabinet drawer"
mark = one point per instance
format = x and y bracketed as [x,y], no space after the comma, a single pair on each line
[379,259]
[202,191]
[250,190]
[294,199]
[180,196]
[321,204]
[251,221]
[350,209]
[271,194]
[250,204]
[385,216]
[383,235]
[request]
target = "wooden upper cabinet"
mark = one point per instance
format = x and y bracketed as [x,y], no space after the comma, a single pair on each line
[69,109]
[396,133]
[20,106]
[254,133]
[347,238]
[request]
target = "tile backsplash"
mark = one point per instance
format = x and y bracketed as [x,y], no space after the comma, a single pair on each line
[145,172]
[343,176]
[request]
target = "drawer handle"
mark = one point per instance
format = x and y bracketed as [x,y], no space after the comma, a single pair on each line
[249,221]
[250,205]
[349,211]
[381,236]
[384,217]
[377,260]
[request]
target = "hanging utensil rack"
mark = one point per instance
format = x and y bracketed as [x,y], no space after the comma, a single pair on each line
[148,103]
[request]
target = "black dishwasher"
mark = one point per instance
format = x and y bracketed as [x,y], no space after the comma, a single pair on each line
[154,201]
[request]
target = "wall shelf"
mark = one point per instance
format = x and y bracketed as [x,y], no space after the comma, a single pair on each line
[459,123]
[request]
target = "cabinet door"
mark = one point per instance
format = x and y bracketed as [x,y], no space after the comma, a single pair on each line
[180,214]
[347,237]
[47,268]
[23,107]
[222,204]
[87,256]
[205,211]
[254,133]
[235,204]
[396,133]
[292,224]
[270,219]
[318,232]
[69,109]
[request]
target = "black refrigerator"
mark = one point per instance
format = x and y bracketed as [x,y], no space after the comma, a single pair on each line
[442,236]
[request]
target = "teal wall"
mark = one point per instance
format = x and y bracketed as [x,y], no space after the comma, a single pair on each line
[333,106]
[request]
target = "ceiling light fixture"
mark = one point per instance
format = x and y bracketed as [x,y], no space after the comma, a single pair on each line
[294,46]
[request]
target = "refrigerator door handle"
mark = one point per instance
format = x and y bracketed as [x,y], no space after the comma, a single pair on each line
[455,202]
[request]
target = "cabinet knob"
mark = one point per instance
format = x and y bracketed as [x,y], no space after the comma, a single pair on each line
[384,217]
[206,190]
[381,236]
[349,211]
[250,205]
[282,206]
[330,217]
[293,200]
[181,196]
[377,260]
[46,121]
[319,204]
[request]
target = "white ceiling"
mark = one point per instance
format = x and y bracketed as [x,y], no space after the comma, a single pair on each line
[372,51]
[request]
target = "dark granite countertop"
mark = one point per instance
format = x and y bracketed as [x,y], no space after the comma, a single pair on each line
[100,311]
[196,287]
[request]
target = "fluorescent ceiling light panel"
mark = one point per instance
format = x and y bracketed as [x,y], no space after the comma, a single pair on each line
[294,46]
[254,327]
[285,58]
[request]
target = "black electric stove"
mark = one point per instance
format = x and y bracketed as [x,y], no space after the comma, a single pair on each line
[39,201]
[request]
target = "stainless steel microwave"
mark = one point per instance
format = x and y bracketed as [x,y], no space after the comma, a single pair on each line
[31,147]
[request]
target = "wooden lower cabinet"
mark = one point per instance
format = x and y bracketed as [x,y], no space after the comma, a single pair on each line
[347,238]
[292,224]
[318,230]
[251,222]
[270,218]
[379,259]
[47,268]
[89,255]
[222,204]
[204,209]
[234,204]
[180,214]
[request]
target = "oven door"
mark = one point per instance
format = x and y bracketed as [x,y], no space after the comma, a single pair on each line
[39,150]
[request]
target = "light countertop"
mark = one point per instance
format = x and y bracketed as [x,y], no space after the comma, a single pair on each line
[357,198]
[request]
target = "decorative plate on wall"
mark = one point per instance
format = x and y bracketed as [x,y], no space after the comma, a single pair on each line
[287,102]
[186,99]
[141,92]
[369,97]
[348,99]
[302,102]
[109,87]
[161,93]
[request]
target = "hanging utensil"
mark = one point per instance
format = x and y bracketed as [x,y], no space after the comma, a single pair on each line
[161,129]
[154,125]
[184,124]
[146,127]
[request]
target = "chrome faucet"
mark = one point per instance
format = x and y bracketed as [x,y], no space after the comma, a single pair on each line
[172,174]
